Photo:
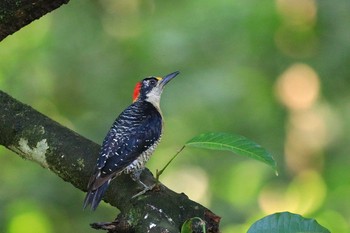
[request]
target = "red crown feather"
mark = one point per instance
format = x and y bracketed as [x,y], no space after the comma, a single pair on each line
[136,91]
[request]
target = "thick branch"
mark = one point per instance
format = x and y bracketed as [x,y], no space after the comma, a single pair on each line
[72,157]
[15,14]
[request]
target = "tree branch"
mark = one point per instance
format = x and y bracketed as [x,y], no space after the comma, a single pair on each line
[72,157]
[15,14]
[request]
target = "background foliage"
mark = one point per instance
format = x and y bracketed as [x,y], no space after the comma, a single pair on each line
[276,72]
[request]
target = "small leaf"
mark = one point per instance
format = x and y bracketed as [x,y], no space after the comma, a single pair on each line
[193,225]
[234,143]
[287,223]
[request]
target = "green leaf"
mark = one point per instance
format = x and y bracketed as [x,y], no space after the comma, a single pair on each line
[287,223]
[193,225]
[234,143]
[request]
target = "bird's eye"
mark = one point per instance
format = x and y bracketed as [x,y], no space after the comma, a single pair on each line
[152,82]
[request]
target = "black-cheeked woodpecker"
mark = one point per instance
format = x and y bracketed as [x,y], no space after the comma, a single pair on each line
[131,140]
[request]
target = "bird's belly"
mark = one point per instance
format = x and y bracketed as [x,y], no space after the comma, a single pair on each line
[140,162]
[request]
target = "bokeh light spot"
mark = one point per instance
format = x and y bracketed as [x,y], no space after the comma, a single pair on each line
[29,222]
[304,195]
[298,87]
[190,180]
[296,35]
[297,12]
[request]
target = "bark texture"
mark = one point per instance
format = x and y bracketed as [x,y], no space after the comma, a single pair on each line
[72,157]
[15,14]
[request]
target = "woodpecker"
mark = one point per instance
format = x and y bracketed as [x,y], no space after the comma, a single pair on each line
[131,140]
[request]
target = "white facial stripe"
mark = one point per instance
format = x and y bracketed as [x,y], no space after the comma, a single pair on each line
[154,97]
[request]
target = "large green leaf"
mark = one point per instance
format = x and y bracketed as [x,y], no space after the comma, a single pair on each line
[287,223]
[234,143]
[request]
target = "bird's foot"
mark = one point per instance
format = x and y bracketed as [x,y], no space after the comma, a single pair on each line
[145,189]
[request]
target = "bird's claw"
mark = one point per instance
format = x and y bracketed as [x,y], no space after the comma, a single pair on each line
[146,188]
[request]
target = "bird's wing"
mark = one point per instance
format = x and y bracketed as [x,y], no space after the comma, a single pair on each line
[122,146]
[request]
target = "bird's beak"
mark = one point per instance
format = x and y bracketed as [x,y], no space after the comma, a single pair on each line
[167,78]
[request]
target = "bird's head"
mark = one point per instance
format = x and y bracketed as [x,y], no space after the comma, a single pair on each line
[150,89]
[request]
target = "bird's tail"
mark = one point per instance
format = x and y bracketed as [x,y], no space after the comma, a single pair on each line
[94,197]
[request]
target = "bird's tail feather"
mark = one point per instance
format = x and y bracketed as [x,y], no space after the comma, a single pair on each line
[94,197]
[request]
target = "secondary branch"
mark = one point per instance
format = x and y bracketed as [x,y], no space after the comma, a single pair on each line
[15,14]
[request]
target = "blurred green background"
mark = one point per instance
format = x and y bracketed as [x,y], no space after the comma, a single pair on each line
[276,72]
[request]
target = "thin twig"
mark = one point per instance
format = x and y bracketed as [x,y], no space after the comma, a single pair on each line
[159,173]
